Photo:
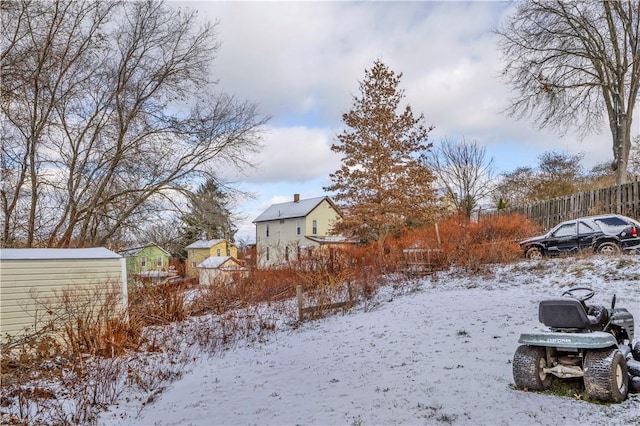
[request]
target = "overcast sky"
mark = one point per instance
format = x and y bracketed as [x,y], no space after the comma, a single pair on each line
[301,62]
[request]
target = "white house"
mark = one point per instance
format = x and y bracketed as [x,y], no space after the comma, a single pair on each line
[288,231]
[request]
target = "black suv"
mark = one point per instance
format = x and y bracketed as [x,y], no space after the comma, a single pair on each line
[606,234]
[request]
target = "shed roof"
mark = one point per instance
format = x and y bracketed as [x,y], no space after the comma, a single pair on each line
[214,262]
[292,209]
[57,253]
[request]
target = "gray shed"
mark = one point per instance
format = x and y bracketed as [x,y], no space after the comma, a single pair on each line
[30,274]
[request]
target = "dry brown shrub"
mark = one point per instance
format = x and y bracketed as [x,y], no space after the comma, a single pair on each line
[73,357]
[331,276]
[494,239]
[157,304]
[268,285]
[76,322]
[470,245]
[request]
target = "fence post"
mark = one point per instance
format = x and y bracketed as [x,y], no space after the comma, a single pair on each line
[299,296]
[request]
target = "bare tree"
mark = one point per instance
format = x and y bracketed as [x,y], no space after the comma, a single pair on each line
[382,184]
[514,188]
[119,115]
[557,174]
[464,171]
[43,47]
[573,61]
[166,233]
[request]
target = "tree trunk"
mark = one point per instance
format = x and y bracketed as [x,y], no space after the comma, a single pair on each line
[622,138]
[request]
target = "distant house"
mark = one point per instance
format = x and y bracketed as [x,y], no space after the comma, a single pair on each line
[200,250]
[289,231]
[149,260]
[218,269]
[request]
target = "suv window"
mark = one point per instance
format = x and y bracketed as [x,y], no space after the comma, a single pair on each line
[566,230]
[611,224]
[585,228]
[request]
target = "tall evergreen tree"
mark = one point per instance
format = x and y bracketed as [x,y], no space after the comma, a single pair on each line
[382,185]
[209,216]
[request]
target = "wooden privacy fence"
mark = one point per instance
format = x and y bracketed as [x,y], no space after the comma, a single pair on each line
[320,308]
[622,199]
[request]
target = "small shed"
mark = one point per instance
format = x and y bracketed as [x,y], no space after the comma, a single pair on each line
[29,275]
[199,251]
[219,269]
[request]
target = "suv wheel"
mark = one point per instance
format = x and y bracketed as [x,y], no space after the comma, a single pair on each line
[528,365]
[608,248]
[533,253]
[606,377]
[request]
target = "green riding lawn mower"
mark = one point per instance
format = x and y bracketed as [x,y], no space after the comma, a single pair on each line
[591,342]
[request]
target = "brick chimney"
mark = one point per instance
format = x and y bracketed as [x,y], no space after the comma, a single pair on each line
[296,198]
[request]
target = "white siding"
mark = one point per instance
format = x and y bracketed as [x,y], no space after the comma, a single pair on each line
[283,234]
[24,280]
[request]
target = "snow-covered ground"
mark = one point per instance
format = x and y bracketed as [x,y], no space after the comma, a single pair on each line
[439,352]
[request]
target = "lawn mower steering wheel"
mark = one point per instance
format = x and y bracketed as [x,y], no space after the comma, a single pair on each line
[588,293]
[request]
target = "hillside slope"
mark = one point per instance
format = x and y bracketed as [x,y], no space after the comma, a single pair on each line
[440,353]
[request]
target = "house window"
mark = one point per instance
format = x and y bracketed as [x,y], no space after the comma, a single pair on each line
[228,251]
[298,228]
[218,252]
[159,262]
[267,253]
[143,261]
[266,233]
[193,264]
[314,228]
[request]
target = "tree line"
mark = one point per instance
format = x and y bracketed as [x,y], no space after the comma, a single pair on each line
[110,114]
[112,119]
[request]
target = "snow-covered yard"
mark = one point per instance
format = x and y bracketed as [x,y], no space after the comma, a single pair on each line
[438,352]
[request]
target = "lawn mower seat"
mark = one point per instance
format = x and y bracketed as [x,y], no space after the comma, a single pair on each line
[568,313]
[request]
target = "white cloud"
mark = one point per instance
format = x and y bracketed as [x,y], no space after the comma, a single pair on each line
[301,63]
[292,154]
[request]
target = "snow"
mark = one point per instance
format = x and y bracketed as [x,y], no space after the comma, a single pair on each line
[214,262]
[203,244]
[435,352]
[55,253]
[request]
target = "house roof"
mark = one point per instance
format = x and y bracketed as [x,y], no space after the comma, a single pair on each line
[57,253]
[134,251]
[292,209]
[215,262]
[205,244]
